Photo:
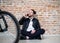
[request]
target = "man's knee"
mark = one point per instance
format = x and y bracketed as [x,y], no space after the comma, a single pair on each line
[42,31]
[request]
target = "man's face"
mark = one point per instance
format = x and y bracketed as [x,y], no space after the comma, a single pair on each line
[30,13]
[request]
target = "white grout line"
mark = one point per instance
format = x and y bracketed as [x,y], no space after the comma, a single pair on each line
[12,35]
[7,33]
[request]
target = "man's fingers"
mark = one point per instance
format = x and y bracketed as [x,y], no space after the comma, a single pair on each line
[33,31]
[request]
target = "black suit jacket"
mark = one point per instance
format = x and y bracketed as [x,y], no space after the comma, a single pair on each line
[25,22]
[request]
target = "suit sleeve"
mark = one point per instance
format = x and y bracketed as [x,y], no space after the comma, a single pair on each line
[38,25]
[21,21]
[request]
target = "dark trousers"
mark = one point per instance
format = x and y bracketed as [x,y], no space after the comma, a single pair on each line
[36,35]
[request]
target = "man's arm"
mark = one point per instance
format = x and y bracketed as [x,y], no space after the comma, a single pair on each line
[38,25]
[21,21]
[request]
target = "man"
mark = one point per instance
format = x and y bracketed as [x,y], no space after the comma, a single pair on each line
[31,27]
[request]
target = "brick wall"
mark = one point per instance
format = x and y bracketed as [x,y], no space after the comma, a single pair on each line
[48,12]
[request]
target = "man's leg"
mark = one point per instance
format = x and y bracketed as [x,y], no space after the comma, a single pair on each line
[37,34]
[24,34]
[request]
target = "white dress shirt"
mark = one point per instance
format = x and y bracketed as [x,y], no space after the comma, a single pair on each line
[30,27]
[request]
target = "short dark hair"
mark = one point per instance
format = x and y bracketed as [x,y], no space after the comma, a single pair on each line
[34,12]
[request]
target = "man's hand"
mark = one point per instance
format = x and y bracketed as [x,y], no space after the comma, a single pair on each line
[25,16]
[33,31]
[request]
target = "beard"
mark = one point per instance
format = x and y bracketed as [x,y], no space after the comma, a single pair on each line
[30,16]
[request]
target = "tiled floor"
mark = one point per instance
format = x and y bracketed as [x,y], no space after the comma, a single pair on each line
[55,39]
[8,38]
